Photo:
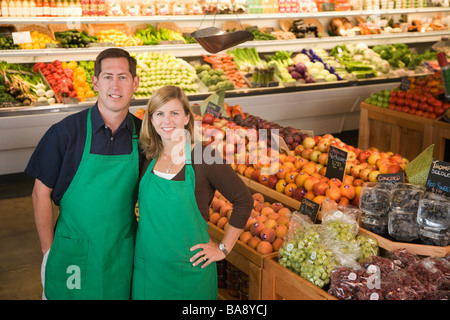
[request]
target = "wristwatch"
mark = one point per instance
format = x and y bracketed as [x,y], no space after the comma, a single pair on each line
[223,248]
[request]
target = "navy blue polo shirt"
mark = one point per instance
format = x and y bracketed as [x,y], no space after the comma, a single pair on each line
[58,154]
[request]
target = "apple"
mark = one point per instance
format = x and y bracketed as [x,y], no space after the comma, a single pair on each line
[300,178]
[272,181]
[373,158]
[373,176]
[310,182]
[323,158]
[348,191]
[363,155]
[323,145]
[290,177]
[309,143]
[337,182]
[320,188]
[306,153]
[298,149]
[289,189]
[356,170]
[351,155]
[299,193]
[314,156]
[282,170]
[364,174]
[333,192]
[280,185]
[394,168]
[299,162]
[310,167]
[208,118]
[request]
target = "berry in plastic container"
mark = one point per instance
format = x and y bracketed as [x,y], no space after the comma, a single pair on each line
[375,198]
[406,196]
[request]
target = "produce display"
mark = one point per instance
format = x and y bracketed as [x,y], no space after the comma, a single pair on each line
[74,38]
[422,98]
[7,43]
[60,79]
[314,250]
[265,228]
[38,41]
[400,276]
[225,63]
[156,70]
[214,79]
[21,85]
[151,36]
[118,38]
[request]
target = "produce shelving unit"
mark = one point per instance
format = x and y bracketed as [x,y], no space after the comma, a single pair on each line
[391,130]
[246,259]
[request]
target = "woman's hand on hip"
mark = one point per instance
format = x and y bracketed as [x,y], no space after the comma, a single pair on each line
[209,253]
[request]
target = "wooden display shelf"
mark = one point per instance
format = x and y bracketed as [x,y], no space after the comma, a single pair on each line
[418,249]
[390,130]
[245,259]
[280,283]
[271,193]
[441,132]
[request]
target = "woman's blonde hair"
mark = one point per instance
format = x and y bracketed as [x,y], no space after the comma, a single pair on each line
[149,139]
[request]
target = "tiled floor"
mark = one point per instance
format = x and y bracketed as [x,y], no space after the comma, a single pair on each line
[20,252]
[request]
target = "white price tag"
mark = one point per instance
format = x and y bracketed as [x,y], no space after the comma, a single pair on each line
[21,37]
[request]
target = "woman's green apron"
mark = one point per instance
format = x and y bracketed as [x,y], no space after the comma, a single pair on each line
[170,223]
[92,252]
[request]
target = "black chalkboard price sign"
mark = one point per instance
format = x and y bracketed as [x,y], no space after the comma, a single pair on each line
[438,180]
[310,208]
[337,159]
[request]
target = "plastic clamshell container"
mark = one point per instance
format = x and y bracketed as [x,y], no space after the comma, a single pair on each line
[375,224]
[403,225]
[406,196]
[434,213]
[375,198]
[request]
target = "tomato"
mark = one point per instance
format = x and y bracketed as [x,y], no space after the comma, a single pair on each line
[430,109]
[425,114]
[407,102]
[432,116]
[437,103]
[394,93]
[423,98]
[423,106]
[414,104]
[409,95]
[400,101]
[439,111]
[391,106]
[416,96]
[405,109]
[401,94]
[419,113]
[412,111]
[392,99]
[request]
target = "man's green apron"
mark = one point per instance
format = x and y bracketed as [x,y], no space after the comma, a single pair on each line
[170,223]
[92,252]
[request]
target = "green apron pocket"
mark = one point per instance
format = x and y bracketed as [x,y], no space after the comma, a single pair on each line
[126,254]
[65,272]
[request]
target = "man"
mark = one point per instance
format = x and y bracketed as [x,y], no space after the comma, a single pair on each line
[88,165]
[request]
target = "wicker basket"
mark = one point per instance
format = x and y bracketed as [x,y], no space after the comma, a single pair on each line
[35,27]
[168,25]
[97,27]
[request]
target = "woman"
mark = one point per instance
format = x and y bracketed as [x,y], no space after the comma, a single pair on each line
[174,257]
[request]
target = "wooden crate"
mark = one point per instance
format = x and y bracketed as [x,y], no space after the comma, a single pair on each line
[246,259]
[279,283]
[441,132]
[418,249]
[390,130]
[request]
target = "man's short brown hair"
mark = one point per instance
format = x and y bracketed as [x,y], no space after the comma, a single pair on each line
[114,53]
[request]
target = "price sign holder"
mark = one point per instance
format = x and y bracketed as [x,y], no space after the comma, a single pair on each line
[337,159]
[21,37]
[438,180]
[309,208]
[392,178]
